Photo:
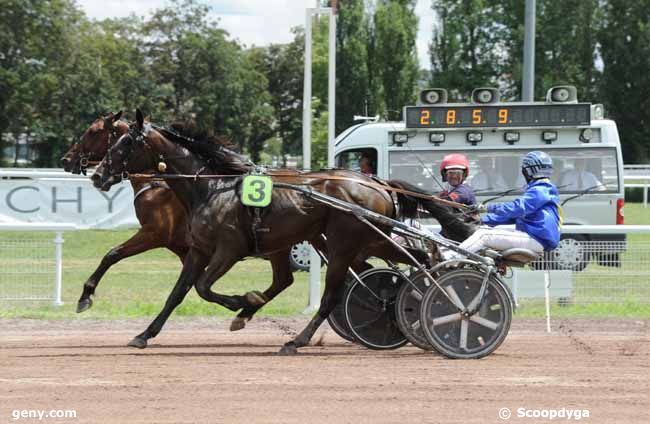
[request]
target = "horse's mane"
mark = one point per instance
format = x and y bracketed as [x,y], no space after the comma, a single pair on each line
[215,150]
[454,224]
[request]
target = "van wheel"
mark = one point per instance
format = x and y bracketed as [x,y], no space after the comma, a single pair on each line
[570,254]
[299,256]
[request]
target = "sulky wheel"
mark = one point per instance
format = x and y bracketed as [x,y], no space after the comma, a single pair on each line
[336,318]
[370,310]
[466,337]
[407,307]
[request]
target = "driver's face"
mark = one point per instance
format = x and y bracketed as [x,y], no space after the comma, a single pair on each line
[455,176]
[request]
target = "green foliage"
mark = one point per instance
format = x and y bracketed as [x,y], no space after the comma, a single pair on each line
[599,46]
[394,54]
[352,75]
[59,70]
[282,67]
[565,45]
[624,36]
[36,53]
[467,49]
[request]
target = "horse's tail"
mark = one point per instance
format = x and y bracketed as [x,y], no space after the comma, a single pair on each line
[408,205]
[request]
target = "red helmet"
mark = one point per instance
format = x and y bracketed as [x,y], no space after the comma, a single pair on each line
[454,161]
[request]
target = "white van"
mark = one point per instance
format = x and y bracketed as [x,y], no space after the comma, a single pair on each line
[495,136]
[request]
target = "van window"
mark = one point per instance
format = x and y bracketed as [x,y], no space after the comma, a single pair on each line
[360,160]
[495,171]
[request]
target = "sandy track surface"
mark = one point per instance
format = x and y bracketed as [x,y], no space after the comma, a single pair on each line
[197,371]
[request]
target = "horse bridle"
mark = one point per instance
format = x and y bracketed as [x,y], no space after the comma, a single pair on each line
[140,137]
[84,158]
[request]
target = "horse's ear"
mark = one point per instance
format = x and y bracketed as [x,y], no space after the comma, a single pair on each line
[139,117]
[117,116]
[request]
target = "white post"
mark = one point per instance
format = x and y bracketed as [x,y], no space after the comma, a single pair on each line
[547,296]
[331,89]
[314,258]
[58,254]
[306,97]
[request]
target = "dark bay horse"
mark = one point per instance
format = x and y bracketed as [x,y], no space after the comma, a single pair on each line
[223,230]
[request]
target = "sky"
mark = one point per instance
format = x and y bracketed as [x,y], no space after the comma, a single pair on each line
[253,22]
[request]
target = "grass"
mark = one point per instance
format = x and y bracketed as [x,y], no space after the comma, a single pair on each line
[137,287]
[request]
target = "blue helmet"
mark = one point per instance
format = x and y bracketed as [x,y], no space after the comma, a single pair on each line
[537,164]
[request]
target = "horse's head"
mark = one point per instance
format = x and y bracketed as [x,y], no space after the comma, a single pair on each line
[131,153]
[93,143]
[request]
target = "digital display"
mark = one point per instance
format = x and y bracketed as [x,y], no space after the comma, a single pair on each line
[498,115]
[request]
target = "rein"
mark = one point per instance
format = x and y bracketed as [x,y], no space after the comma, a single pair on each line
[333,177]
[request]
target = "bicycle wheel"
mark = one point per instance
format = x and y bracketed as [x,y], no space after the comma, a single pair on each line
[466,337]
[370,310]
[407,309]
[337,319]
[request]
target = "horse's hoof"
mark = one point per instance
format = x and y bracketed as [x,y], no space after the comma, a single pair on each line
[138,342]
[237,323]
[288,349]
[84,305]
[256,298]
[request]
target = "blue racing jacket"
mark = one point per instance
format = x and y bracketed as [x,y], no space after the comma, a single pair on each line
[537,213]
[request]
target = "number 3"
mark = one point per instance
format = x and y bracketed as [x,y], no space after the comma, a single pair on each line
[258,186]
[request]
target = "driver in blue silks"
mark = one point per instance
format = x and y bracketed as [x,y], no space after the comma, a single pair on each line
[537,214]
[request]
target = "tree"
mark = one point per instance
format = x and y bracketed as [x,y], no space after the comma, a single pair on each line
[173,35]
[624,38]
[565,45]
[37,80]
[283,68]
[395,28]
[352,80]
[466,52]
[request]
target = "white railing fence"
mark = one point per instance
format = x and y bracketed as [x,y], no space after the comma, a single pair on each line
[592,271]
[638,176]
[31,261]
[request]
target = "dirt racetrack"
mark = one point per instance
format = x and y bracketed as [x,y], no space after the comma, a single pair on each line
[196,371]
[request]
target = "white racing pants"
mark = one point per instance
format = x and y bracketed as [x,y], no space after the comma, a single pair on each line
[497,239]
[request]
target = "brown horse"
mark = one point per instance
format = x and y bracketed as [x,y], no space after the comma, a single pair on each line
[162,217]
[224,231]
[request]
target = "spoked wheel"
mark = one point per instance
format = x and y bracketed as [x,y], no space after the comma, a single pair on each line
[407,307]
[370,310]
[336,318]
[455,335]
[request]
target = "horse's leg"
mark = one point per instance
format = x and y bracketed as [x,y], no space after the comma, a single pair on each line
[193,266]
[341,255]
[226,254]
[141,241]
[282,278]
